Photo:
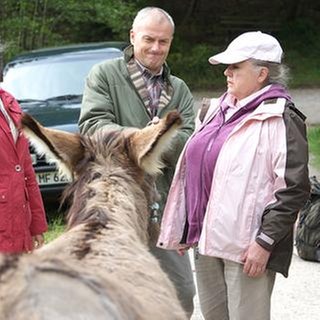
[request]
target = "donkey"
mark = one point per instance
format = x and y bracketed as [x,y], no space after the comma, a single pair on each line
[100,267]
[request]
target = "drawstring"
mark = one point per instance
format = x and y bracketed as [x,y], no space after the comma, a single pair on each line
[155,215]
[154,206]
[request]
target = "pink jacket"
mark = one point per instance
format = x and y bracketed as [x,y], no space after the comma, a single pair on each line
[21,209]
[253,196]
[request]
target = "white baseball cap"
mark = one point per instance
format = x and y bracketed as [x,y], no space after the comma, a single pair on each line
[255,44]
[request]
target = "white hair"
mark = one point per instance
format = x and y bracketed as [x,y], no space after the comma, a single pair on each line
[145,12]
[278,72]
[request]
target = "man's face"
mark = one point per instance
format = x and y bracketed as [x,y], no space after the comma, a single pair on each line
[151,42]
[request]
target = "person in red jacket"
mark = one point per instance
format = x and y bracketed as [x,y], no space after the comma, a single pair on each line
[22,215]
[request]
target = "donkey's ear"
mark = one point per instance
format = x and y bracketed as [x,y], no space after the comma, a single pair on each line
[149,144]
[62,148]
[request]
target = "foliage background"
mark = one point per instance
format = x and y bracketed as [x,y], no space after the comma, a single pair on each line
[203,27]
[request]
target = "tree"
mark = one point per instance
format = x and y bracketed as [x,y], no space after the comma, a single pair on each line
[27,25]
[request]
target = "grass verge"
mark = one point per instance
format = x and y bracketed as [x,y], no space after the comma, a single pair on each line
[56,227]
[314,145]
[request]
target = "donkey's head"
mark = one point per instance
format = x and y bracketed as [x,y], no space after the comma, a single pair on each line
[111,169]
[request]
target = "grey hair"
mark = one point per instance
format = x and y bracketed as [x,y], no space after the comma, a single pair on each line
[278,72]
[144,13]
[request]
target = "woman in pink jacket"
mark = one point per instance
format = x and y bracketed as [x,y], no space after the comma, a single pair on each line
[239,184]
[22,215]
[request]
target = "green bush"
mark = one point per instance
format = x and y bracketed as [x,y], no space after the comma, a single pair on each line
[314,145]
[191,64]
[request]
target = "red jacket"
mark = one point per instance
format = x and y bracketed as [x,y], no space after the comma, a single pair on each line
[22,213]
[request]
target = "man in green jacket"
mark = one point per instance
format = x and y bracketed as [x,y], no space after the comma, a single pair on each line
[134,91]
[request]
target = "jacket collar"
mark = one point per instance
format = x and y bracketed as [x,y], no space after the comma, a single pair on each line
[128,55]
[262,112]
[11,106]
[139,83]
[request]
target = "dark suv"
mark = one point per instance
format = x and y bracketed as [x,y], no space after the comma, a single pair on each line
[48,84]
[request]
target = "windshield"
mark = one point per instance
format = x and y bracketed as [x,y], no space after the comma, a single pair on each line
[52,77]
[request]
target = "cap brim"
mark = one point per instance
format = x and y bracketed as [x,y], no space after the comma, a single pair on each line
[227,58]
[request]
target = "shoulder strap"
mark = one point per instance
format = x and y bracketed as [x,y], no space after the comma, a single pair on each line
[297,111]
[205,104]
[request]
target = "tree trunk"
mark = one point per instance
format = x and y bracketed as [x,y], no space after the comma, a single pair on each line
[43,25]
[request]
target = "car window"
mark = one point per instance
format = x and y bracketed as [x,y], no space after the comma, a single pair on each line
[55,76]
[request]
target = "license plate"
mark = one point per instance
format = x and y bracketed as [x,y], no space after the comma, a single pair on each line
[48,178]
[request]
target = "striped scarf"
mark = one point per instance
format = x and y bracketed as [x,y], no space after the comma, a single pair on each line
[164,89]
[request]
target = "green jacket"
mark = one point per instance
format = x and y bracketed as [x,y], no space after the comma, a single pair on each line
[110,99]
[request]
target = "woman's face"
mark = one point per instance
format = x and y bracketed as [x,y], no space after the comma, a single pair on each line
[244,78]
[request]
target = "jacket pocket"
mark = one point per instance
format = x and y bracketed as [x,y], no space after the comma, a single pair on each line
[4,185]
[3,196]
[4,180]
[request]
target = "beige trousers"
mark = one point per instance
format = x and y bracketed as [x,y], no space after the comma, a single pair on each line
[226,293]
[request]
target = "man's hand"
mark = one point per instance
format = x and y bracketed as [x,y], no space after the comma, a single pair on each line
[255,260]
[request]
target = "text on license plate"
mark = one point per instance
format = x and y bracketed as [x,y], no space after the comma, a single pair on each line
[47,178]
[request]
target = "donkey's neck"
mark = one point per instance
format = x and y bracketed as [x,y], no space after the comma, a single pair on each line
[113,218]
[114,203]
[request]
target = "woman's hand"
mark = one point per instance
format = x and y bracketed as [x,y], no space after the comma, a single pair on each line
[38,241]
[182,249]
[255,260]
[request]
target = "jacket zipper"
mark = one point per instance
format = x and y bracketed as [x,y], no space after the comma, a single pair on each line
[208,148]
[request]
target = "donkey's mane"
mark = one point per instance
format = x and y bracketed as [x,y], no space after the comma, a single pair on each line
[103,161]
